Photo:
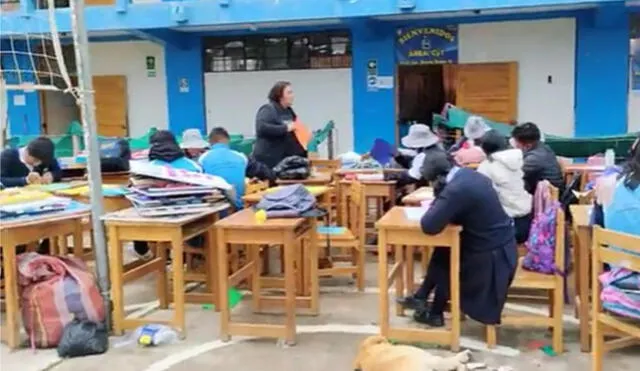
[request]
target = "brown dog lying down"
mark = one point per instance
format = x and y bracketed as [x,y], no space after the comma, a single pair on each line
[377,354]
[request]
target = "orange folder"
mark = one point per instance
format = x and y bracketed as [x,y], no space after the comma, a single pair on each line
[303,134]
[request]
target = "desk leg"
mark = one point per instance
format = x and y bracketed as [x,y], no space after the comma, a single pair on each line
[211,266]
[254,257]
[409,269]
[78,240]
[312,272]
[11,293]
[177,249]
[290,288]
[161,279]
[455,296]
[583,252]
[383,284]
[223,285]
[399,281]
[116,268]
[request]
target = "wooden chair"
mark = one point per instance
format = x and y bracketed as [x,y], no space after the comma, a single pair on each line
[627,331]
[351,239]
[552,284]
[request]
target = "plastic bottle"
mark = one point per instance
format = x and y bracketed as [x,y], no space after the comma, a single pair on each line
[154,335]
[609,157]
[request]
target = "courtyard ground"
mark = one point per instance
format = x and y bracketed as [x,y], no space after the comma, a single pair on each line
[326,342]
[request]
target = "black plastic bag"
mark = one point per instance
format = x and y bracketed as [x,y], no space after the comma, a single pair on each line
[115,156]
[83,338]
[293,168]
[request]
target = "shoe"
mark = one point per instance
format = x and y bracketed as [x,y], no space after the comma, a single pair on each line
[413,303]
[426,318]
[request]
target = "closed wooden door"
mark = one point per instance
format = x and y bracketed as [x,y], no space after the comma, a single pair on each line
[111,105]
[489,90]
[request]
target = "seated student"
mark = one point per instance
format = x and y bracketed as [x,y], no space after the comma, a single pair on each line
[504,167]
[193,144]
[33,164]
[226,163]
[474,129]
[419,139]
[540,163]
[488,248]
[166,151]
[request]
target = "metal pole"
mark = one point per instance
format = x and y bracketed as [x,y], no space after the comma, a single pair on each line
[87,109]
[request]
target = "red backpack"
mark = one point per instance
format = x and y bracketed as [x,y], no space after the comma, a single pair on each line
[53,291]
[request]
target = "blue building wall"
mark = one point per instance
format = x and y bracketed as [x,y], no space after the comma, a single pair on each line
[602,43]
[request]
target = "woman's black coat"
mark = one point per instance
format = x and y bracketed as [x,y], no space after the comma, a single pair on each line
[273,141]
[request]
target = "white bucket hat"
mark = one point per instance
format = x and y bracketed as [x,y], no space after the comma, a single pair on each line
[191,138]
[475,127]
[420,136]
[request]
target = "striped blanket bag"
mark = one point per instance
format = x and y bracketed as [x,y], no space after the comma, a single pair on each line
[621,292]
[53,291]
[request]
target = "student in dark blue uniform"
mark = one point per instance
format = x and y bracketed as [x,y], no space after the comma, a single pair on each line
[34,164]
[487,242]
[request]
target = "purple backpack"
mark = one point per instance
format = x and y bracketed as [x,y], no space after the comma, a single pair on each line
[541,245]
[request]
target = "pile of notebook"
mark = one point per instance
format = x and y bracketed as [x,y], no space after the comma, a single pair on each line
[20,203]
[162,191]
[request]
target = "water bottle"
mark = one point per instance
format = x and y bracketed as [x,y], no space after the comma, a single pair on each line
[154,335]
[609,157]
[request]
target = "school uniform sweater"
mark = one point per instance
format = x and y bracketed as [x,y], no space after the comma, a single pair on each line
[487,242]
[14,172]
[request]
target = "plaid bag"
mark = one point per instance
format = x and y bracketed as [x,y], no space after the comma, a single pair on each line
[54,291]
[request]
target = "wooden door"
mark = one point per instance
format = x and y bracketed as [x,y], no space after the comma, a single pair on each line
[489,90]
[111,105]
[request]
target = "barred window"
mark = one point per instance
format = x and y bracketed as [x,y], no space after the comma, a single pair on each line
[277,52]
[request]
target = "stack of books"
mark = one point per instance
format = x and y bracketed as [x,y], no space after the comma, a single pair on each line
[163,191]
[21,203]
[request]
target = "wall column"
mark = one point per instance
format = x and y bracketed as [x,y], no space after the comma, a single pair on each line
[185,85]
[602,71]
[373,109]
[23,107]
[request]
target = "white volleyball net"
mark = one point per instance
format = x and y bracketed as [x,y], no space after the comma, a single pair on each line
[40,58]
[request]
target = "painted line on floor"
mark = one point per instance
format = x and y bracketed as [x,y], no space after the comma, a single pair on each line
[179,357]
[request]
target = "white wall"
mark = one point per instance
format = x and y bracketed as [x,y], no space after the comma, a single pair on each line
[542,48]
[60,110]
[232,99]
[147,96]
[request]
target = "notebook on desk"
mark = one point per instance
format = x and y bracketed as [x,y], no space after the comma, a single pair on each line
[415,213]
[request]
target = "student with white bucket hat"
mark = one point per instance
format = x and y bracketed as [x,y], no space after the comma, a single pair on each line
[419,138]
[193,144]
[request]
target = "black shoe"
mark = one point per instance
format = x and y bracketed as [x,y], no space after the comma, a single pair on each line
[413,303]
[431,320]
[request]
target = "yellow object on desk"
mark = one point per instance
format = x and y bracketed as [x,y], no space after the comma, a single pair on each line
[314,190]
[261,216]
[13,196]
[83,190]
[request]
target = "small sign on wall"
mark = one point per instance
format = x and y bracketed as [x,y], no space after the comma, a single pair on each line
[151,66]
[183,85]
[372,75]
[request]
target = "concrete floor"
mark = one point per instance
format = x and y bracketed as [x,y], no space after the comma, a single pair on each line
[326,342]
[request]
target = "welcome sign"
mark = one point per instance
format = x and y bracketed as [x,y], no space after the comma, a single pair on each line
[427,45]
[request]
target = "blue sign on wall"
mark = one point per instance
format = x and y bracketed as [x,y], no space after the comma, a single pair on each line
[427,45]
[635,64]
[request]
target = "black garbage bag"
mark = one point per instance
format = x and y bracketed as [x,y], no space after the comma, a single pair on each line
[115,156]
[83,338]
[293,167]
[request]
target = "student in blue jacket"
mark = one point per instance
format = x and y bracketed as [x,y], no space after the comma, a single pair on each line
[34,164]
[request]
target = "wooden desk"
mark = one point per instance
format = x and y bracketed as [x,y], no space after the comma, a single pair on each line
[118,177]
[582,263]
[345,172]
[22,232]
[317,179]
[379,190]
[242,228]
[416,197]
[395,229]
[169,232]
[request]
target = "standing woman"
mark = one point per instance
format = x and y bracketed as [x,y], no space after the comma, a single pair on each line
[275,137]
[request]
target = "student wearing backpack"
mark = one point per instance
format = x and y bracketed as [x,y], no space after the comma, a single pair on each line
[488,248]
[503,166]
